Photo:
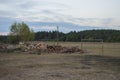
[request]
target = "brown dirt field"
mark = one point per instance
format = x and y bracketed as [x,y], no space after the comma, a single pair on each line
[58,67]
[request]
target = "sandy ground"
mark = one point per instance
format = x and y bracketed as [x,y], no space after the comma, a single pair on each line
[58,67]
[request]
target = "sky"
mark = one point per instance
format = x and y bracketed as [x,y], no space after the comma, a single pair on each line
[69,15]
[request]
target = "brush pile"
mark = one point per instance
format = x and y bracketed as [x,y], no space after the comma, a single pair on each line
[61,49]
[39,48]
[42,47]
[2,47]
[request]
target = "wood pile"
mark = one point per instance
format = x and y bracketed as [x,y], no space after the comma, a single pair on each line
[40,48]
[61,49]
[71,50]
[3,47]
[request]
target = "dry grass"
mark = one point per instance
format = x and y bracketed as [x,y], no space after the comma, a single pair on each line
[58,67]
[109,49]
[95,48]
[22,66]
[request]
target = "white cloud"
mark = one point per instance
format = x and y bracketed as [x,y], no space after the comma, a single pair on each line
[54,11]
[4,33]
[46,28]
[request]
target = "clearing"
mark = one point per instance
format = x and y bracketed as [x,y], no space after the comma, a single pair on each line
[14,66]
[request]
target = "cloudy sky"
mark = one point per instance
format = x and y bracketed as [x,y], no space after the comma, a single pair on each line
[69,15]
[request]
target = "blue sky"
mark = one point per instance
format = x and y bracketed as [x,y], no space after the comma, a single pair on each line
[67,14]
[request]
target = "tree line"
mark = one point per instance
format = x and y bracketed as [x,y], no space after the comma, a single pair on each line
[73,36]
[20,32]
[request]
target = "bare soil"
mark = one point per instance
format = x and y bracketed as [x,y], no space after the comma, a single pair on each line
[58,67]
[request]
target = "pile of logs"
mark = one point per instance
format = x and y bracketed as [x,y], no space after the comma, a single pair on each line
[40,48]
[2,47]
[61,49]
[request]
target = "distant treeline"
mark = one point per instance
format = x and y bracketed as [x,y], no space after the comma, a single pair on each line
[73,36]
[106,35]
